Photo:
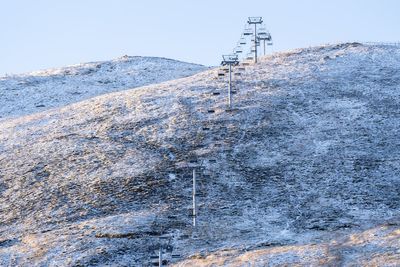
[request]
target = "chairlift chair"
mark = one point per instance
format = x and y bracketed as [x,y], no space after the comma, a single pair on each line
[248,30]
[242,41]
[250,56]
[262,30]
[265,36]
[238,50]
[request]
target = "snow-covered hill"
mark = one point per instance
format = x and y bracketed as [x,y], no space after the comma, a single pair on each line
[38,91]
[309,157]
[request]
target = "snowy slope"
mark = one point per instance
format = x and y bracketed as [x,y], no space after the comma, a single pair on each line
[43,90]
[378,246]
[309,157]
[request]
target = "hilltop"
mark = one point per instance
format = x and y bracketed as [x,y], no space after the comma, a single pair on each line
[42,90]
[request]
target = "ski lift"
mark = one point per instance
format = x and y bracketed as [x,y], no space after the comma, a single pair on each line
[270,41]
[262,30]
[258,41]
[238,50]
[255,20]
[266,36]
[242,41]
[248,30]
[230,60]
[250,56]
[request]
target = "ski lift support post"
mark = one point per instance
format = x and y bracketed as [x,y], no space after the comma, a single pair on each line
[230,60]
[255,21]
[264,36]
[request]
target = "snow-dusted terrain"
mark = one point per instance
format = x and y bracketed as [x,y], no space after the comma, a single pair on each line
[305,170]
[42,90]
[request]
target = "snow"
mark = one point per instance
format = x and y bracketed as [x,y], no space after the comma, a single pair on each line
[378,246]
[42,90]
[309,156]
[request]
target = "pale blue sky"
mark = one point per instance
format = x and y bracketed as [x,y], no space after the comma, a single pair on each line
[39,34]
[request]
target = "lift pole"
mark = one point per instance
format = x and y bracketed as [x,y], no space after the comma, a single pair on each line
[230,60]
[159,258]
[194,198]
[266,36]
[264,46]
[255,21]
[230,87]
[255,43]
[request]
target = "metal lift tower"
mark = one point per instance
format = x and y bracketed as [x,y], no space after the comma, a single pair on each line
[265,36]
[255,21]
[194,214]
[230,60]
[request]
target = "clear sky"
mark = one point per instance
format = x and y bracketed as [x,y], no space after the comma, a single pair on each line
[38,34]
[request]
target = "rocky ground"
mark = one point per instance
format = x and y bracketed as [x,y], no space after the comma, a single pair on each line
[306,166]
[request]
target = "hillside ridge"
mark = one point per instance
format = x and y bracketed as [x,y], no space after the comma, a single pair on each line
[42,90]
